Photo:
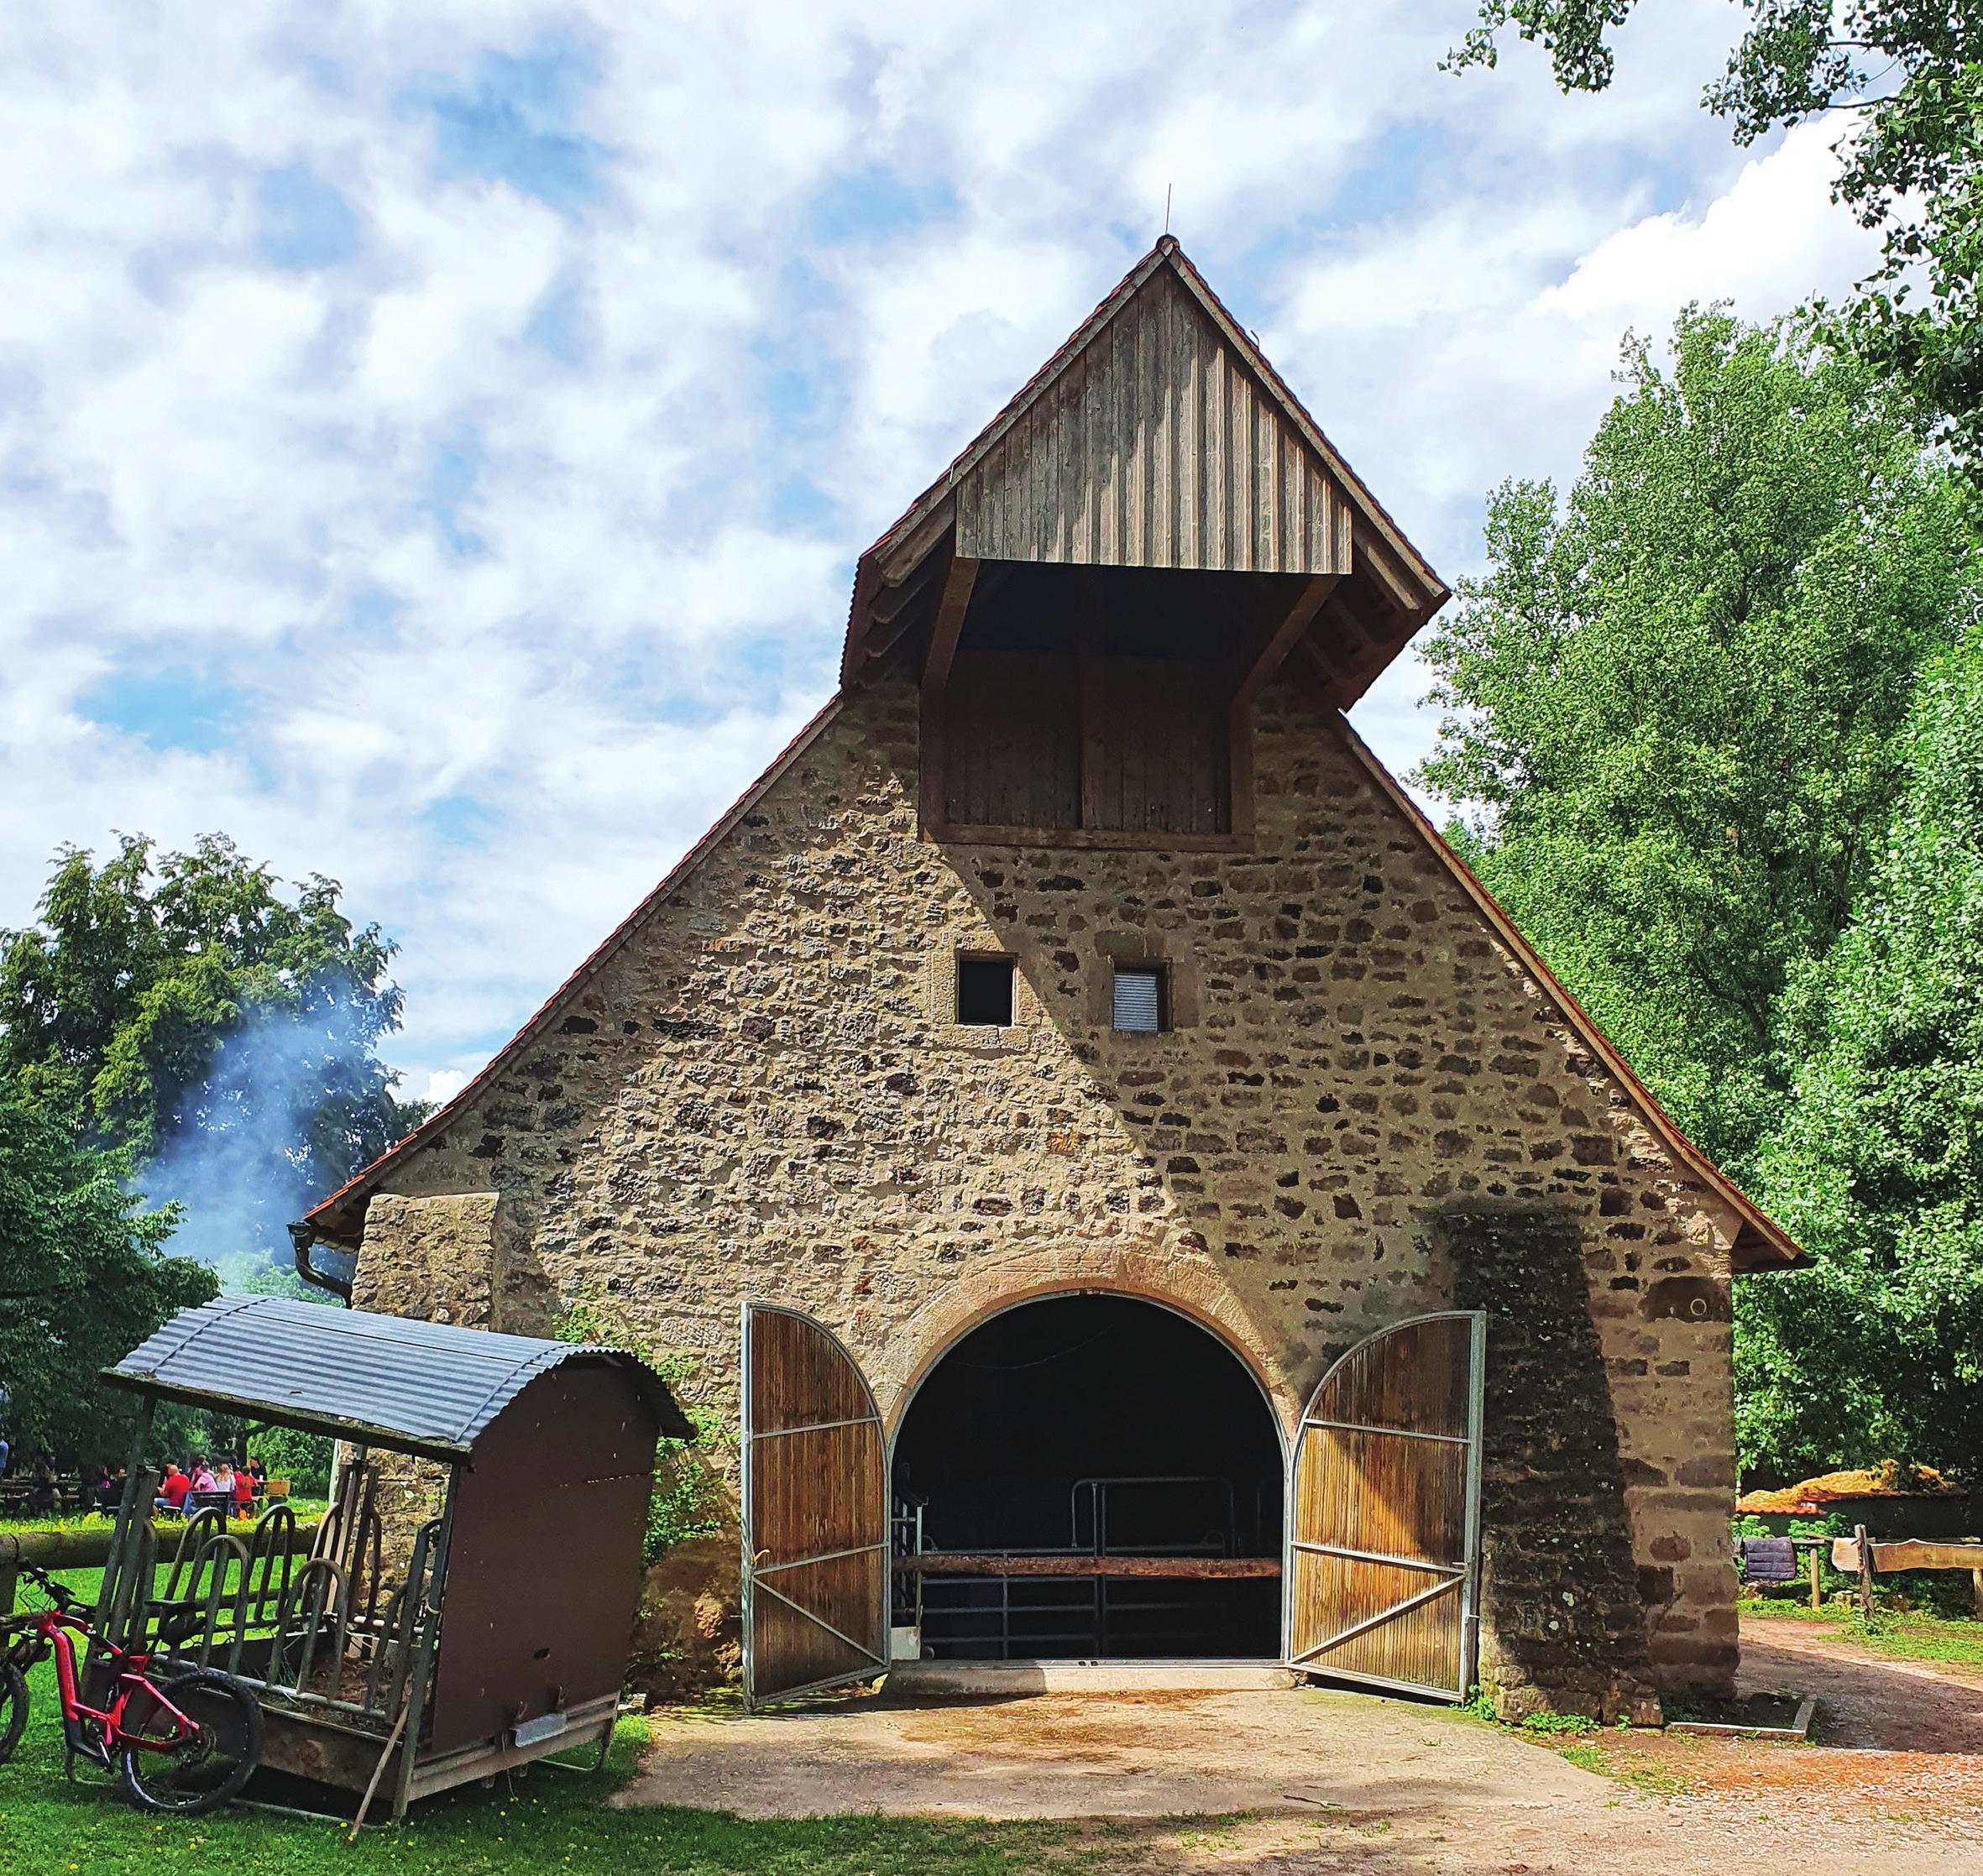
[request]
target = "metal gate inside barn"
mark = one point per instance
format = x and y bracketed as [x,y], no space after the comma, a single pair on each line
[1096,1477]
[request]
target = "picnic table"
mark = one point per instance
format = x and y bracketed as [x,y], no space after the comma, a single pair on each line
[18,1489]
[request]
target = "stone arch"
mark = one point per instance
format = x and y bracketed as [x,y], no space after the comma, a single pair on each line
[1188,1286]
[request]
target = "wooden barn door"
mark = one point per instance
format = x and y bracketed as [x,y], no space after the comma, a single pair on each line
[815,1511]
[1384,1510]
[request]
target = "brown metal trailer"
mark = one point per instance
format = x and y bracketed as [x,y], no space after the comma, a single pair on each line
[470,1598]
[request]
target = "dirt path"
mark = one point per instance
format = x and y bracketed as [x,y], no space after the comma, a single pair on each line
[1336,1781]
[1869,1700]
[1144,1753]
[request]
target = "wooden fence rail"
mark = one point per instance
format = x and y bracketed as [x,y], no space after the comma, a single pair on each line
[85,1549]
[1867,1558]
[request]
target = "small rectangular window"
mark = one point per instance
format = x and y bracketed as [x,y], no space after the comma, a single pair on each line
[985,991]
[1139,998]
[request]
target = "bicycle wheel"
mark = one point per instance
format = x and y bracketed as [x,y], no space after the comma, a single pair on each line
[208,1770]
[13,1708]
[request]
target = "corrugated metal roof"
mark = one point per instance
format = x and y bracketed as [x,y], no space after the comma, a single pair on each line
[386,1381]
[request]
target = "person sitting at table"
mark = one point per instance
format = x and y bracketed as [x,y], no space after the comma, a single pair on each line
[110,1491]
[203,1479]
[224,1482]
[43,1498]
[243,1490]
[173,1489]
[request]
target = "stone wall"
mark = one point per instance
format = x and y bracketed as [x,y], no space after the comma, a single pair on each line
[459,1257]
[761,1095]
[1562,1625]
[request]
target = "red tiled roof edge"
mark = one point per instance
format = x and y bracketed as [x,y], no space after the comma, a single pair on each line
[1773,1236]
[444,1117]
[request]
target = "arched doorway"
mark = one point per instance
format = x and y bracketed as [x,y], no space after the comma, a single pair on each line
[1100,1478]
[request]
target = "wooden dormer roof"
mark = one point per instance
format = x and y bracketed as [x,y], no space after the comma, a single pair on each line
[1157,436]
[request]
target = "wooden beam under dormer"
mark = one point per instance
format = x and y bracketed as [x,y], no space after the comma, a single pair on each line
[960,577]
[890,601]
[1253,672]
[1389,575]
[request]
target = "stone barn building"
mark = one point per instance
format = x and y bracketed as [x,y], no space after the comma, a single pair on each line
[1152,1200]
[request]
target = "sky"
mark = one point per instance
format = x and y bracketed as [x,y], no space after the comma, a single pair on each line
[435,436]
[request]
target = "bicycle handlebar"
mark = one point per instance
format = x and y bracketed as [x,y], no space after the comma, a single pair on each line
[57,1592]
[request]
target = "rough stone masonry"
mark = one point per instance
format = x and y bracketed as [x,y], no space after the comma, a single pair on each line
[1365,1109]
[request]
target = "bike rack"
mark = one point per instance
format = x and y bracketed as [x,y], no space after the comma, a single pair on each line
[344,1647]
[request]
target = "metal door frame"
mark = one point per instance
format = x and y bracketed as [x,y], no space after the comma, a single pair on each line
[747,1437]
[1466,1573]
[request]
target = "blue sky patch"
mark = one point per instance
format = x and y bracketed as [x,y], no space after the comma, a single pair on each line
[450,489]
[169,706]
[564,323]
[876,204]
[516,121]
[301,221]
[459,820]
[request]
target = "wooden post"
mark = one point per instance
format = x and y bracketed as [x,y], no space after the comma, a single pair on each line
[1976,1581]
[1865,1570]
[1816,1594]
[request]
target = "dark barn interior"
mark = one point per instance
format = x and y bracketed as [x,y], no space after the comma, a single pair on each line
[1091,1426]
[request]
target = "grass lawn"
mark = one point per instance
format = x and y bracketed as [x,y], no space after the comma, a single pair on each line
[545,1821]
[1910,1635]
[305,1508]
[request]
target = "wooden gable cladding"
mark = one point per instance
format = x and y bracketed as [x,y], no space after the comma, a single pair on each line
[1157,437]
[1157,446]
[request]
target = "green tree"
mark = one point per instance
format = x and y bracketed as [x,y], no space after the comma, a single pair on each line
[1908,76]
[304,1459]
[181,1007]
[82,1281]
[1877,1351]
[1674,697]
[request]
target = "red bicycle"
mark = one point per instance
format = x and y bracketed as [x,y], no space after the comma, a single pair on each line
[184,1743]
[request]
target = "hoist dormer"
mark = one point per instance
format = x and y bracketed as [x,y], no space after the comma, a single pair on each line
[1094,593]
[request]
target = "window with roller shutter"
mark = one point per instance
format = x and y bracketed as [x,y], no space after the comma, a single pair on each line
[1139,1005]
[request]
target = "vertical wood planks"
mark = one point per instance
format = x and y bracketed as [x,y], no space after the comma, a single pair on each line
[1115,745]
[1155,446]
[1012,742]
[815,1507]
[1384,1509]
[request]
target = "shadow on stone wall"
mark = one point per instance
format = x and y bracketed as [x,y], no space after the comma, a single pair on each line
[1562,1628]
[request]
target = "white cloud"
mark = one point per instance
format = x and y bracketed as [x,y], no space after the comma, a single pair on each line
[501,515]
[443,1084]
[1761,245]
